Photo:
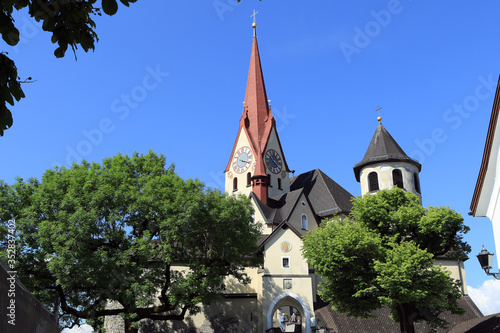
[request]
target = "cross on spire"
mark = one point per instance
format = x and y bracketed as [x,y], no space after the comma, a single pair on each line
[254,25]
[253,15]
[379,118]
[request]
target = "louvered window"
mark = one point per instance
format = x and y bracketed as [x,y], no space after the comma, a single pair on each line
[373,181]
[417,182]
[397,178]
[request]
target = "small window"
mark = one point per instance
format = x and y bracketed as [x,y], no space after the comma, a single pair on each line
[304,223]
[417,182]
[373,181]
[249,179]
[269,177]
[397,178]
[235,184]
[303,203]
[279,184]
[285,262]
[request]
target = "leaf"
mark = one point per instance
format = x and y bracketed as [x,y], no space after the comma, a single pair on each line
[110,7]
[5,119]
[61,50]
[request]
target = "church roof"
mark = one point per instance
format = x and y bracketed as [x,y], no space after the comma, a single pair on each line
[338,322]
[283,225]
[280,207]
[383,148]
[256,113]
[326,196]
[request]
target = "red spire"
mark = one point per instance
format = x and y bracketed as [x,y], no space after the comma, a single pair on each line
[256,118]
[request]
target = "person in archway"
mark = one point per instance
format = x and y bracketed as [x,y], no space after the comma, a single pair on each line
[293,318]
[282,320]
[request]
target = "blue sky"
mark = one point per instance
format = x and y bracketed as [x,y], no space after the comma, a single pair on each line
[170,76]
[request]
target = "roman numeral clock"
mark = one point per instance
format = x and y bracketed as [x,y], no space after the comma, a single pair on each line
[242,159]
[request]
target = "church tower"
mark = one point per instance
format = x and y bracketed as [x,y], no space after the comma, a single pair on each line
[257,163]
[386,165]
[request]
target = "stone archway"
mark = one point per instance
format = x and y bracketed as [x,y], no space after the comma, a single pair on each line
[305,310]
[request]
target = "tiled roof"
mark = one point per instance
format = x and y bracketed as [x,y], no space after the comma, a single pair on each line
[279,208]
[486,324]
[326,196]
[337,322]
[383,148]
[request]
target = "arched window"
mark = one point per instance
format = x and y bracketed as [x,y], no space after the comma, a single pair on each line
[249,179]
[304,223]
[416,181]
[397,178]
[373,181]
[279,183]
[235,184]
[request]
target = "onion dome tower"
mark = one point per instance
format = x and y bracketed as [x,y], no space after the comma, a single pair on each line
[386,165]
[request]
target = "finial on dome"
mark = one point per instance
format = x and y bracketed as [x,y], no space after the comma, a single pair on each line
[379,118]
[254,24]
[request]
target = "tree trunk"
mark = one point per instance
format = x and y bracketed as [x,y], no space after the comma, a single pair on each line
[406,315]
[129,328]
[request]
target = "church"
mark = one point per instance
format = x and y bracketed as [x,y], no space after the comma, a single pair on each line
[287,208]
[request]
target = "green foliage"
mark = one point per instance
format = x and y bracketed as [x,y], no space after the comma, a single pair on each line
[131,231]
[69,22]
[383,254]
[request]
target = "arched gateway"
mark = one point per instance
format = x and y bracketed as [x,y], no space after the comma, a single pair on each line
[290,299]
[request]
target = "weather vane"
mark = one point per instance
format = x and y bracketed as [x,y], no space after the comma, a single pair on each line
[379,118]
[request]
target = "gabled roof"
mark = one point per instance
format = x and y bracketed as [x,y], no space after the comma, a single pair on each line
[279,208]
[325,195]
[492,128]
[383,148]
[381,322]
[282,225]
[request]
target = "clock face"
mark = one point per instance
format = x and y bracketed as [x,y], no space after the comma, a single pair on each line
[242,159]
[273,161]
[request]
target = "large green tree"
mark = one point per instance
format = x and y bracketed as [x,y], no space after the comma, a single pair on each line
[383,255]
[69,21]
[131,231]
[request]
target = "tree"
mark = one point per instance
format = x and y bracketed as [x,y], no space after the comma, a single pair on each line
[129,231]
[70,23]
[383,255]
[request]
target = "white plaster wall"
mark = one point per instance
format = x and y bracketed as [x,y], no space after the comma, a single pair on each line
[457,270]
[384,171]
[274,254]
[296,217]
